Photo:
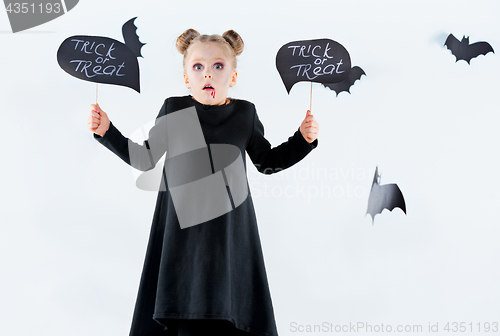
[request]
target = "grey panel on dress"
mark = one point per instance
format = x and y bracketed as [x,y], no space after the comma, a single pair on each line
[188,167]
[237,180]
[201,200]
[228,158]
[184,132]
[198,192]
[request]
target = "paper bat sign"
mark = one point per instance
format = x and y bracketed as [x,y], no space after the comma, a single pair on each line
[102,59]
[355,74]
[465,51]
[387,196]
[320,61]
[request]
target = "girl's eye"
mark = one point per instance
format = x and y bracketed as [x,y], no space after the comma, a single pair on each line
[218,66]
[197,66]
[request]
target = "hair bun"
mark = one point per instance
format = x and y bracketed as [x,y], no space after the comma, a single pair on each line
[185,39]
[235,41]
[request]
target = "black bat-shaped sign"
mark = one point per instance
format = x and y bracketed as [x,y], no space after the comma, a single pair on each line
[320,61]
[465,51]
[355,74]
[102,59]
[387,196]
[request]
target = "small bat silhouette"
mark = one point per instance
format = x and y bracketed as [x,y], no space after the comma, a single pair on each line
[387,196]
[355,74]
[462,50]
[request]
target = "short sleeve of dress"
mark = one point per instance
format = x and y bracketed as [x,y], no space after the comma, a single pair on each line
[269,160]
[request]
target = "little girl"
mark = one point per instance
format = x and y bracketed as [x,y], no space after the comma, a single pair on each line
[209,278]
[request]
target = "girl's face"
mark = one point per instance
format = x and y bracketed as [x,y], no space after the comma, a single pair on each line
[209,74]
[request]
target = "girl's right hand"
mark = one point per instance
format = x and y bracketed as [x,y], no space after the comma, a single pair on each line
[98,121]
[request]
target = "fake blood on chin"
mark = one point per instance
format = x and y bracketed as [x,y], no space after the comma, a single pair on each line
[212,91]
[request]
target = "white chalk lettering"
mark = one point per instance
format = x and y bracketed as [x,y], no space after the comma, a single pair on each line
[338,65]
[119,67]
[89,48]
[109,51]
[96,69]
[77,41]
[300,67]
[326,51]
[80,62]
[302,51]
[109,70]
[87,64]
[95,50]
[293,53]
[313,51]
[113,68]
[101,60]
[84,47]
[318,71]
[329,73]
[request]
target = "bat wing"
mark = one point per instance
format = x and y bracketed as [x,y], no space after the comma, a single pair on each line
[453,44]
[355,74]
[387,196]
[129,31]
[479,48]
[393,197]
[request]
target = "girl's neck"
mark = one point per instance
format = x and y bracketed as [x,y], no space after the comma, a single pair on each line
[225,103]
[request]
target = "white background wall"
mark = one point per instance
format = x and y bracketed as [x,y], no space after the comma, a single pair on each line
[74,227]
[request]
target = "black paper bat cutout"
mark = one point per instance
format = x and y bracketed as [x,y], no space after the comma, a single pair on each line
[387,196]
[465,51]
[355,74]
[101,59]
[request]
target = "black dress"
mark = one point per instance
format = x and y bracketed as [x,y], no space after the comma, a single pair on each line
[215,269]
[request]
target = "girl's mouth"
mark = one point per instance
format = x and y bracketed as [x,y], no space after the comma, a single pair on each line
[210,88]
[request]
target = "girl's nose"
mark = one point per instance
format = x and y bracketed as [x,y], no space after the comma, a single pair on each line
[208,76]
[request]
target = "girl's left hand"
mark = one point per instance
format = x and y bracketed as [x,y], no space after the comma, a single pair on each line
[309,127]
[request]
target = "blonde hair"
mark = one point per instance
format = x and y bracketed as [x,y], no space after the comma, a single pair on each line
[231,42]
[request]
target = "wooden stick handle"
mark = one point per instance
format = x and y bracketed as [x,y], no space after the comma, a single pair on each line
[311,100]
